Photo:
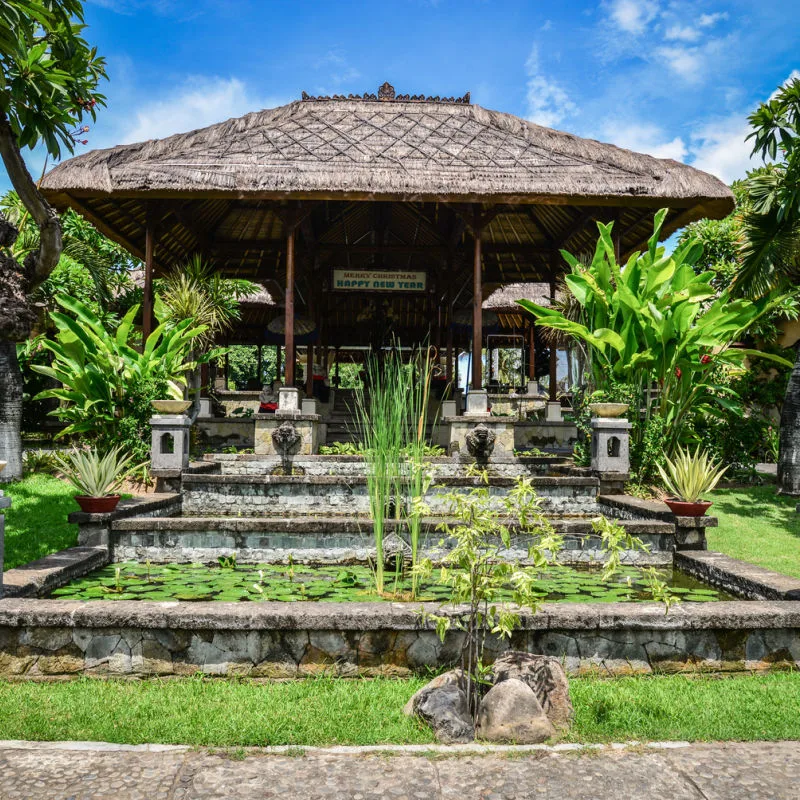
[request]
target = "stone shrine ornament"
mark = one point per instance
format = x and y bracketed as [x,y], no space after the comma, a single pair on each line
[285,438]
[480,442]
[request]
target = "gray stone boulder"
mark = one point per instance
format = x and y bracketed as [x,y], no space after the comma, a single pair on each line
[443,706]
[510,712]
[545,676]
[445,679]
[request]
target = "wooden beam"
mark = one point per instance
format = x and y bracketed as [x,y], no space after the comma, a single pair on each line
[553,354]
[289,309]
[477,312]
[577,226]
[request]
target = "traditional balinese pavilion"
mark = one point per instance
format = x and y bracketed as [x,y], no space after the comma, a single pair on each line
[378,215]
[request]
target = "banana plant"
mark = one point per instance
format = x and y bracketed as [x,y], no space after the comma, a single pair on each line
[97,369]
[656,324]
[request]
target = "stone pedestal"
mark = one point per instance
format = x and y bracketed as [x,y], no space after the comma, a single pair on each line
[449,408]
[288,402]
[610,445]
[169,450]
[309,406]
[5,502]
[554,412]
[533,388]
[477,403]
[484,438]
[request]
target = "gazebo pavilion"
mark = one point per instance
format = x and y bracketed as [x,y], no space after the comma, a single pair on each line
[378,215]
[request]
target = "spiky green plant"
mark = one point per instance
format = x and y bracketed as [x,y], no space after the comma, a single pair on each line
[380,409]
[690,475]
[94,475]
[418,389]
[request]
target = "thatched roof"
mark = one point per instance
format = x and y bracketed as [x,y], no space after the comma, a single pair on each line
[379,182]
[390,150]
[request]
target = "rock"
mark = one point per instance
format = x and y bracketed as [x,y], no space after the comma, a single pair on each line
[445,679]
[510,712]
[543,674]
[445,710]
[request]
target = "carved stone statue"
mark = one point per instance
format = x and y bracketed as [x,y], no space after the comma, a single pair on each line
[480,442]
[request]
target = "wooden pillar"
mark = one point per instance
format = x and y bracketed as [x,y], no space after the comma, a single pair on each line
[259,368]
[310,370]
[289,310]
[227,369]
[147,300]
[477,314]
[277,362]
[449,353]
[531,352]
[553,351]
[336,362]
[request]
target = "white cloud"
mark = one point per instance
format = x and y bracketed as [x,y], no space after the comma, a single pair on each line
[719,147]
[644,138]
[199,102]
[546,25]
[682,33]
[687,62]
[547,103]
[707,20]
[633,16]
[338,71]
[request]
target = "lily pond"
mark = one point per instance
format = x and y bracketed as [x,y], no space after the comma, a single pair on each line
[238,582]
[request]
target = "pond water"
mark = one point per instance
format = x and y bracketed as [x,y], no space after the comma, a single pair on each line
[246,582]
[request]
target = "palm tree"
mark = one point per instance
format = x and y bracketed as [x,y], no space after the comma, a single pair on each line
[770,257]
[194,290]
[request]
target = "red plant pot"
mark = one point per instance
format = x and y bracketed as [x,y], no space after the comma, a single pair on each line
[97,505]
[682,509]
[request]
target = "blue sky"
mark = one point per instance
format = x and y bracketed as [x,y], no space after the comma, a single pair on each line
[672,78]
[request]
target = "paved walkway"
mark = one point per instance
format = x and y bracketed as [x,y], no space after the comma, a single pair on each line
[679,772]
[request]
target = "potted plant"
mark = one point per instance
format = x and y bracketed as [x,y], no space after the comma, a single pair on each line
[96,477]
[688,477]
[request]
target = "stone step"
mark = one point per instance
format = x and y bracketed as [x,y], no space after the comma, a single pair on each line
[441,466]
[274,495]
[338,540]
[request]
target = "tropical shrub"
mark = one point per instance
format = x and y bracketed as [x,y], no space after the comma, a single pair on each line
[654,323]
[105,383]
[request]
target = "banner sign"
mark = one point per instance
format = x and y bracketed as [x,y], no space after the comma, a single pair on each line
[366,280]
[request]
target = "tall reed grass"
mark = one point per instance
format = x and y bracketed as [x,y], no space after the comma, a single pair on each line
[391,409]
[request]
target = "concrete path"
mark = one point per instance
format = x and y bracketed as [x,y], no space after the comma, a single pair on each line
[74,771]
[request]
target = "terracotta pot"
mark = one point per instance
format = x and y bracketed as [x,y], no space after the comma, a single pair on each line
[97,505]
[681,508]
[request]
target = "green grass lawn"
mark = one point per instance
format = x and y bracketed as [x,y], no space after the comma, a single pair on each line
[758,526]
[36,523]
[238,713]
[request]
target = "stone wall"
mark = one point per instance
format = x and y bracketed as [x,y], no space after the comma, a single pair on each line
[222,495]
[51,638]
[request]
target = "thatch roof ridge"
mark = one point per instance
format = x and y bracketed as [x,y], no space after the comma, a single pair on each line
[396,149]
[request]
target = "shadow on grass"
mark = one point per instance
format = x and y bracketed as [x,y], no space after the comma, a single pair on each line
[758,503]
[36,522]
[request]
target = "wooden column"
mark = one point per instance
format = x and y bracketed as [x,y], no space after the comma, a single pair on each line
[289,310]
[259,368]
[277,362]
[310,370]
[531,352]
[477,313]
[553,352]
[147,300]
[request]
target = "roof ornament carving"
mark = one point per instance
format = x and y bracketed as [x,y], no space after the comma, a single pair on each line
[386,94]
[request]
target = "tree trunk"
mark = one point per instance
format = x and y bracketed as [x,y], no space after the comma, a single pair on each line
[10,412]
[789,458]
